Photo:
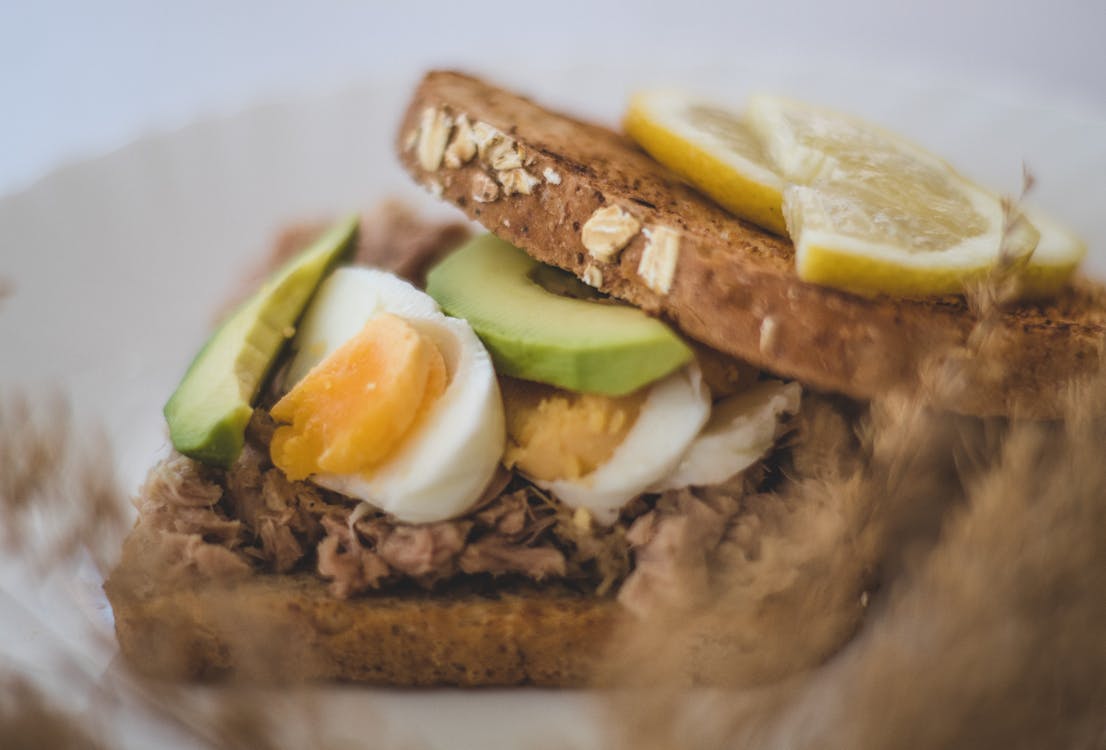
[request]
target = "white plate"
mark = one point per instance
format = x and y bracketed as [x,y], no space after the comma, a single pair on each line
[119,262]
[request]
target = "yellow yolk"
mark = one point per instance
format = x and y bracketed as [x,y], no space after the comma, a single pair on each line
[353,409]
[556,434]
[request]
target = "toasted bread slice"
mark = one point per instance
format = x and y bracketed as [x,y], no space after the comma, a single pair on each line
[536,178]
[289,628]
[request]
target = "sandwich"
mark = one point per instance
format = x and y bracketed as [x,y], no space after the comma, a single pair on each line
[415,457]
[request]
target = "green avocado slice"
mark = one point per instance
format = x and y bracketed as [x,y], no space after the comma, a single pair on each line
[208,412]
[535,334]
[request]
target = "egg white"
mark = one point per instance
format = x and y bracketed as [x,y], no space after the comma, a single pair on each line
[680,440]
[442,469]
[741,430]
[343,303]
[673,412]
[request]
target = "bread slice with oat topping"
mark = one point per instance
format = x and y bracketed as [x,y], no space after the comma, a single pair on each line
[586,199]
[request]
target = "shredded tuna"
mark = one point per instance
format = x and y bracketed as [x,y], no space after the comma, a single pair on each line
[674,546]
[296,504]
[497,555]
[279,545]
[282,515]
[351,567]
[260,429]
[243,483]
[206,523]
[426,550]
[252,512]
[179,481]
[189,556]
[596,554]
[517,533]
[255,514]
[179,498]
[507,516]
[515,517]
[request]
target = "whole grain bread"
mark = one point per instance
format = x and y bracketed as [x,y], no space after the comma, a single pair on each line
[536,178]
[289,628]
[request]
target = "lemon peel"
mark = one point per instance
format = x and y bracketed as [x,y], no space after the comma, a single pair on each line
[868,211]
[712,149]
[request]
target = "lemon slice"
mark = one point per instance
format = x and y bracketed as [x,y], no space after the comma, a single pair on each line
[871,212]
[839,244]
[1059,252]
[711,148]
[867,210]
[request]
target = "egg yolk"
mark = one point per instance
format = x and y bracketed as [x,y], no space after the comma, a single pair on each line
[354,409]
[556,434]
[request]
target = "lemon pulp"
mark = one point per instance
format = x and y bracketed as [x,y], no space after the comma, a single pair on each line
[867,210]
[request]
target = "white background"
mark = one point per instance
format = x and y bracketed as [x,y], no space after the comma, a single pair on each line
[81,78]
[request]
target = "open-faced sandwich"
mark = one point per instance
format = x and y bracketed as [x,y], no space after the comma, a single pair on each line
[413,458]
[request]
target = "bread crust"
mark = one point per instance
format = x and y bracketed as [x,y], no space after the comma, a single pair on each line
[734,287]
[289,628]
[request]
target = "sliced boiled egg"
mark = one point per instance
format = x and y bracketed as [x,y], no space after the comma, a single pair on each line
[598,452]
[344,302]
[389,401]
[741,430]
[672,413]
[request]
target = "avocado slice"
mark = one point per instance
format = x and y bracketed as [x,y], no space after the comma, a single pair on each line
[532,333]
[208,412]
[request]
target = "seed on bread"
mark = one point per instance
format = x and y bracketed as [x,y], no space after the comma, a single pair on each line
[484,188]
[658,262]
[485,135]
[434,130]
[607,232]
[496,150]
[517,180]
[769,330]
[462,147]
[441,138]
[593,277]
[504,156]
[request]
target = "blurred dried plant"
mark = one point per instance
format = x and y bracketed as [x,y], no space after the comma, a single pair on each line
[987,635]
[60,505]
[993,293]
[58,493]
[968,557]
[30,721]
